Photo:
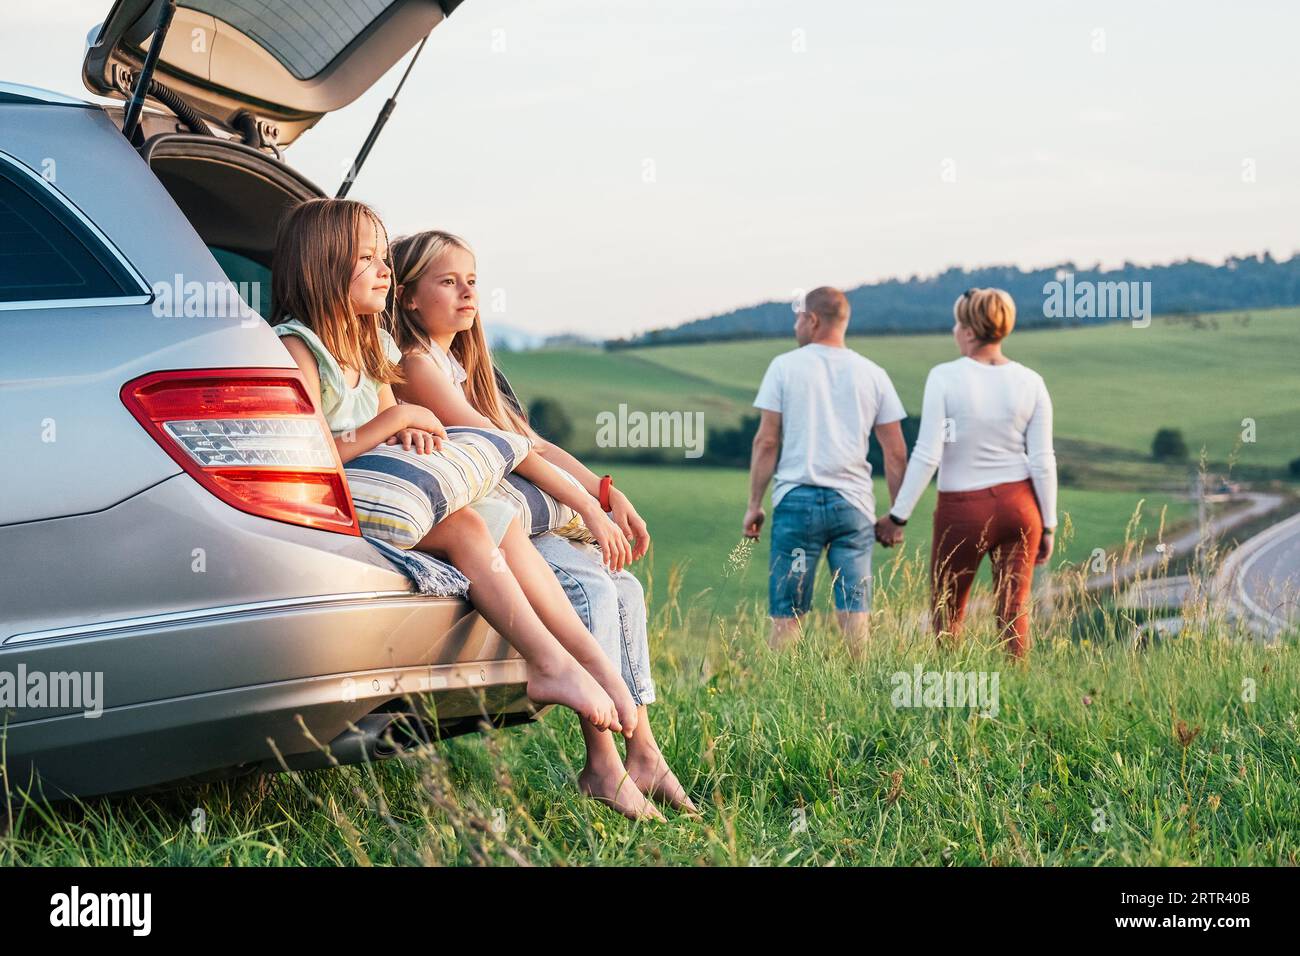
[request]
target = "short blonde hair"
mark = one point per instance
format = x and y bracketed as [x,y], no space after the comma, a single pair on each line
[990,314]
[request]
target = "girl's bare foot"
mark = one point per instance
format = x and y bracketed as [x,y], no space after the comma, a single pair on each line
[565,682]
[607,675]
[616,789]
[654,778]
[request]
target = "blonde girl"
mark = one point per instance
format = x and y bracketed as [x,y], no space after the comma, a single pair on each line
[330,284]
[448,368]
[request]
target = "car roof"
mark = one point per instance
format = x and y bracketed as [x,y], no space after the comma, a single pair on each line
[20,92]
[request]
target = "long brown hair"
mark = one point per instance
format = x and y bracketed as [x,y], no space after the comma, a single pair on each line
[315,254]
[412,256]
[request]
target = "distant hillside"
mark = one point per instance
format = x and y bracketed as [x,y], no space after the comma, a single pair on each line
[925,304]
[1113,387]
[511,338]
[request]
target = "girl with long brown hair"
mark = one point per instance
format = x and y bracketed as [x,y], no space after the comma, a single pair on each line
[330,281]
[448,367]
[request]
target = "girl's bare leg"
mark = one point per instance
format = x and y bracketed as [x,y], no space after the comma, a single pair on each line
[650,771]
[546,595]
[604,778]
[554,676]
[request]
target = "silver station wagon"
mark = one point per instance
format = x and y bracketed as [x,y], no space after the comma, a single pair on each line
[184,591]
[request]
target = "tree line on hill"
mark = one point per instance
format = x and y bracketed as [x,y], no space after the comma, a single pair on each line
[924,304]
[730,446]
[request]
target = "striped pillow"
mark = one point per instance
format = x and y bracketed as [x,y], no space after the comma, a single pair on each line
[539,512]
[400,495]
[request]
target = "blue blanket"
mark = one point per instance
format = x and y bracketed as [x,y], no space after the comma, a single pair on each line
[428,574]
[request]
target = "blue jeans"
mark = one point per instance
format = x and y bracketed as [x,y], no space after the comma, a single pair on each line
[808,521]
[611,606]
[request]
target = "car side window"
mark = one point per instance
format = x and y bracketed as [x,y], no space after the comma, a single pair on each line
[47,253]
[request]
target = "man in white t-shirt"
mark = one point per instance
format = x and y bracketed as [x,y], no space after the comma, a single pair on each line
[819,404]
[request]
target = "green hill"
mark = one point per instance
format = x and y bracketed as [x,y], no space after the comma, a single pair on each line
[694,515]
[1113,386]
[924,303]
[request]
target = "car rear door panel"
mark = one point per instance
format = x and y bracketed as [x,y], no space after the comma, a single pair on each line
[71,446]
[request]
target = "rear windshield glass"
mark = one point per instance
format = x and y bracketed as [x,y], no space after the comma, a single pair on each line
[304,35]
[46,253]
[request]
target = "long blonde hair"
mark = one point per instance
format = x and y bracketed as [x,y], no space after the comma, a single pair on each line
[412,256]
[315,254]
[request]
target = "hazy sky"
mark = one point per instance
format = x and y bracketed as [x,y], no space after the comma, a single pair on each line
[790,144]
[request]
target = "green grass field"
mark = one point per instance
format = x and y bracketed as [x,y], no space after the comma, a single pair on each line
[1104,749]
[1112,385]
[694,515]
[1101,752]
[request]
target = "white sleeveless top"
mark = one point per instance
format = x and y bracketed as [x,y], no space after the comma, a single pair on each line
[450,366]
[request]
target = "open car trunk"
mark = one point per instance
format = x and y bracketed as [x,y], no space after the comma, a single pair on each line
[233,195]
[264,70]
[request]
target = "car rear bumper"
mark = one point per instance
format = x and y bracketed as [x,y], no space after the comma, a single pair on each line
[210,670]
[301,724]
[304,675]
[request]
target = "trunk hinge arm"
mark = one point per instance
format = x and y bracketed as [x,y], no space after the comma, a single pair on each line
[131,119]
[378,127]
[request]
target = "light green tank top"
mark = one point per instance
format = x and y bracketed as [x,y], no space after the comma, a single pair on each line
[345,407]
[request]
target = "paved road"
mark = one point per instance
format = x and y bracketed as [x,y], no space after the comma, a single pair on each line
[1185,543]
[1262,577]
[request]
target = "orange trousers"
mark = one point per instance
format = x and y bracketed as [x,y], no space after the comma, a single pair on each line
[1003,522]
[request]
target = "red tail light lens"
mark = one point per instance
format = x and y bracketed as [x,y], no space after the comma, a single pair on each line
[251,437]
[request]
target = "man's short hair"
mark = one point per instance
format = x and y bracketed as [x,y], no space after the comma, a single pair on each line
[828,304]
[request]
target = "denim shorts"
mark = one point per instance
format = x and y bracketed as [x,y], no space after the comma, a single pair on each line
[611,606]
[808,521]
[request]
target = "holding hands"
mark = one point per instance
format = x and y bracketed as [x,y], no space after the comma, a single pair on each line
[888,533]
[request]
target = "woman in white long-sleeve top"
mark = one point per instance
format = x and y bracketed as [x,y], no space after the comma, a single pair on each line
[986,424]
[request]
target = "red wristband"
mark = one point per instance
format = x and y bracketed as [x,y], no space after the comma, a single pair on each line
[606,483]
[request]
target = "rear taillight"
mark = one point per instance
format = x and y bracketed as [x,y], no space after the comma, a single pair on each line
[251,437]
